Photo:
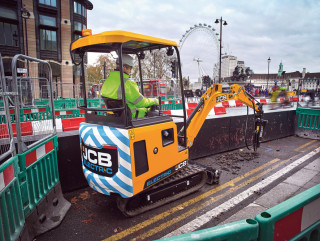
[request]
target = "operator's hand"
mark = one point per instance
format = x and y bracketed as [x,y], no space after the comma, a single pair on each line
[156,101]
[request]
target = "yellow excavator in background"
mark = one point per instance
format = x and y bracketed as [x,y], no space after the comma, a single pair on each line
[145,161]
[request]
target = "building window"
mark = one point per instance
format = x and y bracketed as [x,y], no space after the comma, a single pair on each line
[52,3]
[48,21]
[9,27]
[77,26]
[77,36]
[84,12]
[48,33]
[48,40]
[80,9]
[77,8]
[8,13]
[9,34]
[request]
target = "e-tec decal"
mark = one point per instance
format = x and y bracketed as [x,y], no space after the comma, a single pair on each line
[221,98]
[164,174]
[102,161]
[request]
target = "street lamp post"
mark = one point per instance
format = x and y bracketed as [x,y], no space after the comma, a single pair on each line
[269,60]
[26,15]
[224,23]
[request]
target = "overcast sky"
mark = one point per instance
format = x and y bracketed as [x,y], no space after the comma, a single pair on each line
[284,30]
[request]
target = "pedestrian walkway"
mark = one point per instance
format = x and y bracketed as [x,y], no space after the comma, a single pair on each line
[300,181]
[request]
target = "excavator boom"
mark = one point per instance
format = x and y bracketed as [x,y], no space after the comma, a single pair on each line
[213,96]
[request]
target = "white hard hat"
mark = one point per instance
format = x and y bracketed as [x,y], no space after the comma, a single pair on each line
[126,60]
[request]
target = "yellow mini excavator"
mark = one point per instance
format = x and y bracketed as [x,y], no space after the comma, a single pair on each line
[145,161]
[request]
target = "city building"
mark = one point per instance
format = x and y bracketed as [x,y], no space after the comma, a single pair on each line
[44,29]
[228,64]
[290,80]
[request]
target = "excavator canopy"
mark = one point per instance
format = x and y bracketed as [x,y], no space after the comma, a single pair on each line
[109,41]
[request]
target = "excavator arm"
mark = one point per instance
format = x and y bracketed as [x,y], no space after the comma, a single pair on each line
[215,95]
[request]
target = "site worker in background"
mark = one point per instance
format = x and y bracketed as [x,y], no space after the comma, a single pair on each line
[274,97]
[111,90]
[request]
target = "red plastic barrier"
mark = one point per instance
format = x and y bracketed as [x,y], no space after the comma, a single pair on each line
[192,105]
[71,124]
[189,111]
[26,111]
[4,131]
[225,104]
[220,110]
[167,112]
[238,103]
[26,130]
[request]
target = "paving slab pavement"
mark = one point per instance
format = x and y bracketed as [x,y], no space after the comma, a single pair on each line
[300,181]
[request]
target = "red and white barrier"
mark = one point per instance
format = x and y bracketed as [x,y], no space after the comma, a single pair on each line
[6,176]
[215,111]
[167,102]
[36,154]
[42,127]
[297,221]
[65,112]
[37,110]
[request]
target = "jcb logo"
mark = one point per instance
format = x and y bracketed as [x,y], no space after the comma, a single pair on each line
[181,165]
[103,161]
[97,158]
[221,98]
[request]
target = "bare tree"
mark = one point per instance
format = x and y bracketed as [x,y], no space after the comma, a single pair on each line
[95,71]
[155,65]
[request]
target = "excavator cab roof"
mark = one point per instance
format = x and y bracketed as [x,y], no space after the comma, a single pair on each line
[122,42]
[109,41]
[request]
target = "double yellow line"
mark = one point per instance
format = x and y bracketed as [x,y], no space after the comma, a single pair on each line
[305,145]
[273,164]
[163,215]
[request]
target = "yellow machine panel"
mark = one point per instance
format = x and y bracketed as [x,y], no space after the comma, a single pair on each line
[156,154]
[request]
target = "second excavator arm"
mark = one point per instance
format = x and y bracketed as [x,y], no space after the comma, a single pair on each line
[215,95]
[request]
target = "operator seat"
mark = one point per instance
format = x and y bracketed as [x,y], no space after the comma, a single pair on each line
[112,104]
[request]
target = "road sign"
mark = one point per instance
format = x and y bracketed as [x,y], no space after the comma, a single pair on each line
[22,71]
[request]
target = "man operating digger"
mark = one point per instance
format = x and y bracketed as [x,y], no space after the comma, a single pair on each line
[112,95]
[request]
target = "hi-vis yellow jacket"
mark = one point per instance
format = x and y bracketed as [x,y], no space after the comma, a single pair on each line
[111,88]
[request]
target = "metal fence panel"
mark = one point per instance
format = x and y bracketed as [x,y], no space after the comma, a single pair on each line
[40,77]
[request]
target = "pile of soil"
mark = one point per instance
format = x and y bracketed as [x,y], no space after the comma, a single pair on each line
[228,161]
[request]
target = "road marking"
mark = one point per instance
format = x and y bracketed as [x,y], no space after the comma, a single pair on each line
[207,203]
[309,148]
[307,144]
[203,219]
[163,215]
[267,148]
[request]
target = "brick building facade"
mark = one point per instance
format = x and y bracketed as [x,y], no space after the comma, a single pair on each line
[50,26]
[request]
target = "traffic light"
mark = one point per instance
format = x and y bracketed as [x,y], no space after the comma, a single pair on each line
[173,68]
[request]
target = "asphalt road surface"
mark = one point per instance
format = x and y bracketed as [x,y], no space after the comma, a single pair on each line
[94,216]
